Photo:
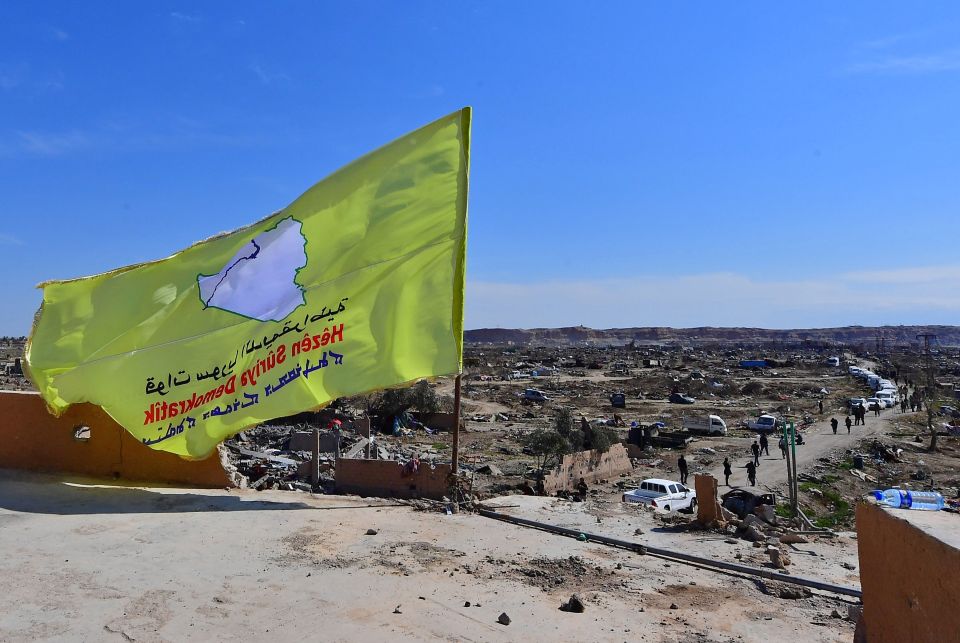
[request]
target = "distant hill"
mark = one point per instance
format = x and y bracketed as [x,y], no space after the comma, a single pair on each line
[849,335]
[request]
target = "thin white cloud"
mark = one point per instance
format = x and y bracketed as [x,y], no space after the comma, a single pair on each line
[268,76]
[20,78]
[718,299]
[885,42]
[928,274]
[120,135]
[10,240]
[943,61]
[185,17]
[12,76]
[57,34]
[52,144]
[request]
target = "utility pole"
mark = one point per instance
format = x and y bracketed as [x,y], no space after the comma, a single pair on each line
[930,385]
[786,450]
[793,467]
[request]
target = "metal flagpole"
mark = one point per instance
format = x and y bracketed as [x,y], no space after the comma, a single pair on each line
[455,466]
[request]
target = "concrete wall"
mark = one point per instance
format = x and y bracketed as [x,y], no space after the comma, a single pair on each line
[443,421]
[34,440]
[909,571]
[385,478]
[590,465]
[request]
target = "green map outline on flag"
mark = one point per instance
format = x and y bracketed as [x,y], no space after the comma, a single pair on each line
[254,256]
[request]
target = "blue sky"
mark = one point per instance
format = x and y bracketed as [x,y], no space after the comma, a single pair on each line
[633,163]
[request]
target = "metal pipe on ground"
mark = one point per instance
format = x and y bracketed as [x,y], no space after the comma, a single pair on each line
[674,555]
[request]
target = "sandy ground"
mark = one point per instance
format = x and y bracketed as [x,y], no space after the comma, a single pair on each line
[88,561]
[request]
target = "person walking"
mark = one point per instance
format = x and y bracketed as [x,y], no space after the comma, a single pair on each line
[903,406]
[764,443]
[876,409]
[682,465]
[833,425]
[783,447]
[752,473]
[727,471]
[848,423]
[820,405]
[755,448]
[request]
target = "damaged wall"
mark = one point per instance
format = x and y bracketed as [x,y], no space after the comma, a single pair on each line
[85,440]
[385,478]
[909,566]
[590,465]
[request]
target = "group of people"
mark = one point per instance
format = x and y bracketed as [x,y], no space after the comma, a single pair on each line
[834,424]
[762,445]
[759,446]
[750,466]
[859,413]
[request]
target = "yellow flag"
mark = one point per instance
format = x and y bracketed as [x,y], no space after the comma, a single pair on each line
[355,286]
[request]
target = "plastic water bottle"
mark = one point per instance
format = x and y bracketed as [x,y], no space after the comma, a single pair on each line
[904,499]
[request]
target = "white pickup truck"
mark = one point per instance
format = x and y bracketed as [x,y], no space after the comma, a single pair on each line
[663,494]
[709,424]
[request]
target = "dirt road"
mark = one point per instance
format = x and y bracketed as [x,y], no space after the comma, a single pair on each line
[819,442]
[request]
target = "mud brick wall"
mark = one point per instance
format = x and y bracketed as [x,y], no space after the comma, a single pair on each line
[590,465]
[909,566]
[33,439]
[385,478]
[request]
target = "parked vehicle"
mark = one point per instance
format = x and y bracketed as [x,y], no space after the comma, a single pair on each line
[618,400]
[535,395]
[888,397]
[833,361]
[667,495]
[856,401]
[874,404]
[753,363]
[952,411]
[763,424]
[743,502]
[679,398]
[709,424]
